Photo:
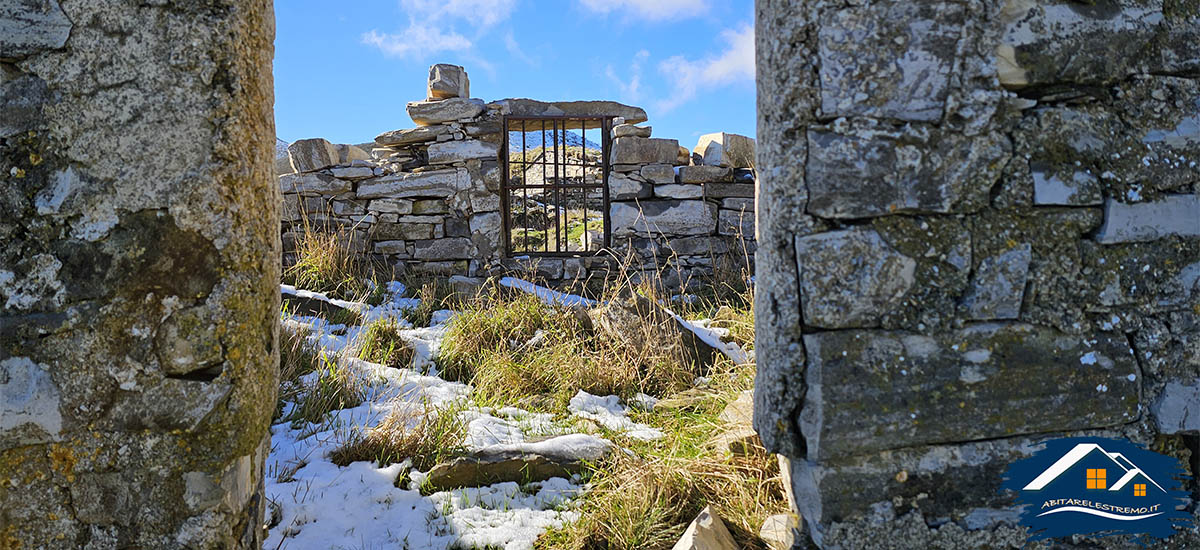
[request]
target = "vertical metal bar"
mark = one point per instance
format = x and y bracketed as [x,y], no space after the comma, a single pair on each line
[559,175]
[504,184]
[546,232]
[585,244]
[606,134]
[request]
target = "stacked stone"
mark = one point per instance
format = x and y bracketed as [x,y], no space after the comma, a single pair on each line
[992,218]
[681,210]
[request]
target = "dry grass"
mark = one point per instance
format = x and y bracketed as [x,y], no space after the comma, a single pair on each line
[297,357]
[334,387]
[328,261]
[381,343]
[426,436]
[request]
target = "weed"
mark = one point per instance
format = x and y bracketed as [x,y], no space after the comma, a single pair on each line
[334,387]
[297,357]
[426,436]
[329,260]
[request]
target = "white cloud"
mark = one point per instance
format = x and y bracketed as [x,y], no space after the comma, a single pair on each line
[735,64]
[650,9]
[431,26]
[514,49]
[631,89]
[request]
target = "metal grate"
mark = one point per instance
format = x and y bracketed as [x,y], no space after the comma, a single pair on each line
[554,191]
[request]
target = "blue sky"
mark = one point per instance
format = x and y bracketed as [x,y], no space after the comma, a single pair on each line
[345,70]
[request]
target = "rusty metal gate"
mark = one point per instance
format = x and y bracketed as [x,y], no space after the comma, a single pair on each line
[554,190]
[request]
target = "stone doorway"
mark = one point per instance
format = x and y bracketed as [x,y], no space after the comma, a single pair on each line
[554,190]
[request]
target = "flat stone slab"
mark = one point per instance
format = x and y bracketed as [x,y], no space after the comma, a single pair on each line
[981,382]
[669,217]
[312,154]
[999,285]
[889,59]
[532,107]
[30,26]
[460,150]
[409,136]
[848,277]
[313,183]
[705,174]
[1147,221]
[627,130]
[426,113]
[623,188]
[679,191]
[726,150]
[435,183]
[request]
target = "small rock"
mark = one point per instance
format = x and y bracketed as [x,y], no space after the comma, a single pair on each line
[781,532]
[427,113]
[706,532]
[312,154]
[740,411]
[627,130]
[448,81]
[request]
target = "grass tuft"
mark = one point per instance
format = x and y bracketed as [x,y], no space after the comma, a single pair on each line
[381,343]
[328,261]
[426,436]
[334,388]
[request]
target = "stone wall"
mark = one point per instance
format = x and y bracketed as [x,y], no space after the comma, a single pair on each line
[138,273]
[990,214]
[427,199]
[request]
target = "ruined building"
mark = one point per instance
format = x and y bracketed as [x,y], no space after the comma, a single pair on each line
[979,228]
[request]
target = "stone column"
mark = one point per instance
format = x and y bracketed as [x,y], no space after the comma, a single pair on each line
[139,268]
[979,229]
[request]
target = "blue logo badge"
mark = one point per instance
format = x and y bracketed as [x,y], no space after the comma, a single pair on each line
[1101,487]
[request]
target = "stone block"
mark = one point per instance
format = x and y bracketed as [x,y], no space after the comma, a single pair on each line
[849,277]
[428,113]
[630,130]
[683,157]
[434,183]
[457,227]
[888,60]
[679,191]
[1077,188]
[726,150]
[636,150]
[741,205]
[283,162]
[658,173]
[429,206]
[312,154]
[391,248]
[736,222]
[998,286]
[28,27]
[960,386]
[403,232]
[390,206]
[353,172]
[1177,408]
[623,188]
[449,248]
[409,136]
[313,183]
[729,190]
[705,174]
[448,152]
[530,107]
[447,81]
[672,217]
[868,172]
[1147,221]
[347,154]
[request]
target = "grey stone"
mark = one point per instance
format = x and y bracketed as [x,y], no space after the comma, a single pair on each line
[999,285]
[888,60]
[447,81]
[727,150]
[781,532]
[849,277]
[705,174]
[283,161]
[434,183]
[623,188]
[460,150]
[683,157]
[740,205]
[313,183]
[31,26]
[874,172]
[492,468]
[706,532]
[393,206]
[312,154]
[961,385]
[347,154]
[1148,221]
[353,172]
[738,223]
[30,405]
[679,191]
[627,130]
[1177,408]
[729,190]
[1079,189]
[529,107]
[403,231]
[430,206]
[426,113]
[635,150]
[450,248]
[658,173]
[409,136]
[391,248]
[691,217]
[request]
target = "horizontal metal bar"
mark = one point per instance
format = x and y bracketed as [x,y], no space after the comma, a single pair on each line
[516,254]
[555,117]
[599,186]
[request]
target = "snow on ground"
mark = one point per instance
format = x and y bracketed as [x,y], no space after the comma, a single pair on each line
[316,504]
[610,413]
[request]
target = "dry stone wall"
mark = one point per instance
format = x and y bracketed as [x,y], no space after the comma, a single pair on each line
[138,273]
[427,199]
[990,213]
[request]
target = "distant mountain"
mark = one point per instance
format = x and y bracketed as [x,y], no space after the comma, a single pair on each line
[533,140]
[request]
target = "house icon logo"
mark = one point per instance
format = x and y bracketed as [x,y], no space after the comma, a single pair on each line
[1100,487]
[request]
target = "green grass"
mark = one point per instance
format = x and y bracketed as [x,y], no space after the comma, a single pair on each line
[334,388]
[327,261]
[381,343]
[427,436]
